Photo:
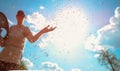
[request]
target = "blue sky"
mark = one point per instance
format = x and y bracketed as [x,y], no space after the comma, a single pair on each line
[65,54]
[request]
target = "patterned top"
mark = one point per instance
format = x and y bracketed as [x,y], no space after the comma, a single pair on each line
[14,45]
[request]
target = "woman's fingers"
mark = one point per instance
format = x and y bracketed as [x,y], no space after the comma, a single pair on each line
[47,26]
[51,29]
[54,28]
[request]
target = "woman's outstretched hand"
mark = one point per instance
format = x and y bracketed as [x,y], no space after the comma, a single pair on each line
[47,29]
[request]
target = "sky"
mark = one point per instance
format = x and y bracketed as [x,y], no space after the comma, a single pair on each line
[83,28]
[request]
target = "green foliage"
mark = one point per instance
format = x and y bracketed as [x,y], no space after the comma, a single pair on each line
[109,60]
[22,66]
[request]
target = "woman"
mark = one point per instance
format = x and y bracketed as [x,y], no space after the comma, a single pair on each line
[10,56]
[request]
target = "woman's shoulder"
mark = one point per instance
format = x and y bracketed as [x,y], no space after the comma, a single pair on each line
[25,28]
[22,26]
[13,26]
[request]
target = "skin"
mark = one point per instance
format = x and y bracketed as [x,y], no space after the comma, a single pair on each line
[20,19]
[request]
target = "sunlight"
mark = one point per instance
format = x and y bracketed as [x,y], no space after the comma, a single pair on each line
[72,28]
[71,32]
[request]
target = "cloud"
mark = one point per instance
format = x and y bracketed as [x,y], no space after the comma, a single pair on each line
[92,44]
[27,62]
[37,21]
[96,55]
[42,7]
[76,69]
[49,66]
[72,28]
[10,23]
[67,31]
[107,36]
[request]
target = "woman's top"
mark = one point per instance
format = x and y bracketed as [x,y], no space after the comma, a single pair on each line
[14,45]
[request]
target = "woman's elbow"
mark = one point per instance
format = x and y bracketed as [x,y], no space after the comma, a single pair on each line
[31,41]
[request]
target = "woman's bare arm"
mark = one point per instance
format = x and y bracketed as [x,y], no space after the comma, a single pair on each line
[32,38]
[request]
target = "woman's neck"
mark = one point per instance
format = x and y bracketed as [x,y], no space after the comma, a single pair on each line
[20,23]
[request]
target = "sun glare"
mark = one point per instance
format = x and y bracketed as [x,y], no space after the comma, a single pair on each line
[71,31]
[72,28]
[70,34]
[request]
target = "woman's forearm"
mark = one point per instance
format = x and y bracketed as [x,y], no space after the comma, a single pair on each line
[35,37]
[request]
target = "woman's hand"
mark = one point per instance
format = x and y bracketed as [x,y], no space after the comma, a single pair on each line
[46,29]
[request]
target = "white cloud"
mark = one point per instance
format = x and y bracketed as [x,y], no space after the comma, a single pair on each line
[92,44]
[27,62]
[43,43]
[37,21]
[10,22]
[96,55]
[42,7]
[49,66]
[107,36]
[117,12]
[76,69]
[72,27]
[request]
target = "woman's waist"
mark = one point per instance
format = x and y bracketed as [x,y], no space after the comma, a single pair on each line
[14,47]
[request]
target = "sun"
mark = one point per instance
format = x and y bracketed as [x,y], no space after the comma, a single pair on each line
[72,29]
[70,34]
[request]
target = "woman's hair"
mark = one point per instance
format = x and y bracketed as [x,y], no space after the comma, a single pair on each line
[20,13]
